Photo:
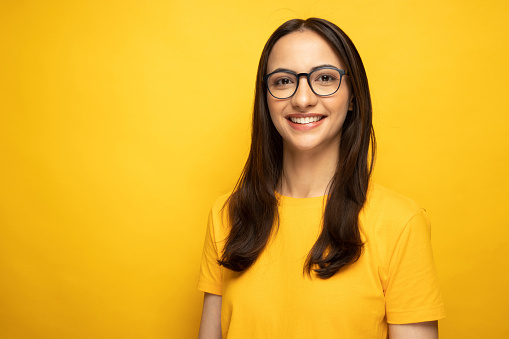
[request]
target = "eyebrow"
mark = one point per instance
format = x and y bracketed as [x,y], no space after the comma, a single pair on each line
[311,70]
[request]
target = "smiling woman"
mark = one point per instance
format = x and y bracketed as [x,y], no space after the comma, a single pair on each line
[306,246]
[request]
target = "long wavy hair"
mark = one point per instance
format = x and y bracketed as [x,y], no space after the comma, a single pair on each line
[253,206]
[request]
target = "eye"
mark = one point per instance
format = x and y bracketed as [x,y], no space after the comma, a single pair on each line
[282,81]
[325,78]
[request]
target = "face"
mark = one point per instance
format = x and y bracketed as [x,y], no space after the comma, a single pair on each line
[300,52]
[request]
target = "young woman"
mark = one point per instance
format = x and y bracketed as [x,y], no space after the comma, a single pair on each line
[306,246]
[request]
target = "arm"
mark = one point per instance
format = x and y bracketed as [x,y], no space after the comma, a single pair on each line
[210,326]
[424,330]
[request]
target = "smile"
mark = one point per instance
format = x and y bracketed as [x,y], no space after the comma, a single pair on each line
[306,120]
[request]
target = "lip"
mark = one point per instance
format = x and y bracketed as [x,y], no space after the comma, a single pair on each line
[308,126]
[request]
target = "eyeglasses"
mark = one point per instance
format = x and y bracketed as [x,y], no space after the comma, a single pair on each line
[323,81]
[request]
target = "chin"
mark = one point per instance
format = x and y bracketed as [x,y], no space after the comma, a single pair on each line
[313,146]
[303,147]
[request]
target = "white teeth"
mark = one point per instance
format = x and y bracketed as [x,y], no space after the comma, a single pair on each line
[305,120]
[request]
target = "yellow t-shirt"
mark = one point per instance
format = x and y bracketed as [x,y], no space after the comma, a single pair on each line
[394,281]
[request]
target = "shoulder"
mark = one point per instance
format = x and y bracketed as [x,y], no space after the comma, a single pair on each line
[389,212]
[381,200]
[218,217]
[220,204]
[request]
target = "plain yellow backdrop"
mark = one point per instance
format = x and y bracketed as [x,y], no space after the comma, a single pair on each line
[122,121]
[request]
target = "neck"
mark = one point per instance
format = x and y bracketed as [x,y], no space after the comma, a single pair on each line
[307,174]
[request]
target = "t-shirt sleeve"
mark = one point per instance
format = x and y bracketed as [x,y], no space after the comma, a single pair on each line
[413,293]
[210,271]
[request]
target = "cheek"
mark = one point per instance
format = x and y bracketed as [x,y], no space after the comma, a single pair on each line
[275,111]
[341,105]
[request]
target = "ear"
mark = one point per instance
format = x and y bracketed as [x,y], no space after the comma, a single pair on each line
[350,104]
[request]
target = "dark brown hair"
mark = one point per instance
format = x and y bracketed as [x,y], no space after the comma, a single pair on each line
[253,206]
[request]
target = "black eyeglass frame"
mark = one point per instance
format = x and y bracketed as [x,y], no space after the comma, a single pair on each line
[308,76]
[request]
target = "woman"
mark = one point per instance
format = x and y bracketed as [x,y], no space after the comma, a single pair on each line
[306,246]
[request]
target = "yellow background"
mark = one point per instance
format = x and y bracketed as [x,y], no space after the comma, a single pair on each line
[121,121]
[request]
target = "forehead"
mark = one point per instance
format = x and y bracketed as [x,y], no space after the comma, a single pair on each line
[300,51]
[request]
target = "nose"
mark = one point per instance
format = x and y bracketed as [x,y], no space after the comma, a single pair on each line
[304,97]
